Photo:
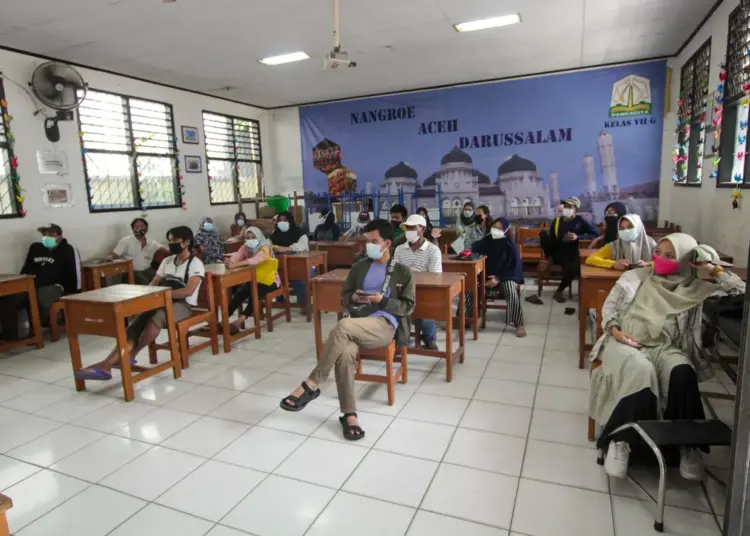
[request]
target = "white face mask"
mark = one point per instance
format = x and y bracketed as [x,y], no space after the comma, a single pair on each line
[412,236]
[251,243]
[497,233]
[374,251]
[283,226]
[567,212]
[628,235]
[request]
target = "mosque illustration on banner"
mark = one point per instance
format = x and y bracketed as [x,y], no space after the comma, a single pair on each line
[518,192]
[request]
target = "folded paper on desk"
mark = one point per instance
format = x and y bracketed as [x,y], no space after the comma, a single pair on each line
[458,245]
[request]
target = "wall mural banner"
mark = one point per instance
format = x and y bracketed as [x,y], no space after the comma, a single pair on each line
[518,146]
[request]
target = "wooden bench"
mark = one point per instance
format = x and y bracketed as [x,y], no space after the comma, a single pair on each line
[5,505]
[204,312]
[387,354]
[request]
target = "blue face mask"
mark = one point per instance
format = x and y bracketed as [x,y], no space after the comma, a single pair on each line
[49,242]
[208,226]
[283,226]
[374,251]
[628,235]
[251,243]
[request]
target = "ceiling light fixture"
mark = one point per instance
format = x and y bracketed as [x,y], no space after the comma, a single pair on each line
[284,58]
[484,24]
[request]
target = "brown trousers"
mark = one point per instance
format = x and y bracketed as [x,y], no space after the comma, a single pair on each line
[340,353]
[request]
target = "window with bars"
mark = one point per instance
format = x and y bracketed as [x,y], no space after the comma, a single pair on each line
[9,205]
[733,171]
[129,150]
[233,158]
[694,78]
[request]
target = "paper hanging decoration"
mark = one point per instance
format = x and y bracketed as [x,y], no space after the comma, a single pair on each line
[680,149]
[717,120]
[180,178]
[15,177]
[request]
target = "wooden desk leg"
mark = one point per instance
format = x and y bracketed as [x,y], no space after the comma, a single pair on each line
[131,275]
[308,294]
[224,305]
[256,308]
[122,351]
[449,337]
[462,323]
[174,348]
[582,299]
[96,277]
[75,356]
[318,332]
[483,296]
[475,307]
[36,322]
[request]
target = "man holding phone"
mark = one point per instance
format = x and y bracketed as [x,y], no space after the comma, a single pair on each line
[378,297]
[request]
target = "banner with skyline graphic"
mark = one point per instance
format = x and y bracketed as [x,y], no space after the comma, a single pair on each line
[518,146]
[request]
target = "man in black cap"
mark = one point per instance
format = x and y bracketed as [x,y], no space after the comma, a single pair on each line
[55,266]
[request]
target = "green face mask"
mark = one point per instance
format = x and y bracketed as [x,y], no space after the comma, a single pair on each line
[49,242]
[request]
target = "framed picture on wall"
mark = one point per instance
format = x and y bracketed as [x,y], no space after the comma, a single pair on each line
[57,195]
[193,164]
[190,135]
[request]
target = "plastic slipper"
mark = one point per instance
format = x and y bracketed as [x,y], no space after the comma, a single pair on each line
[352,432]
[300,402]
[93,374]
[133,362]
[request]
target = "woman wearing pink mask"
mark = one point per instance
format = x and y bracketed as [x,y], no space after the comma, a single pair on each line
[652,323]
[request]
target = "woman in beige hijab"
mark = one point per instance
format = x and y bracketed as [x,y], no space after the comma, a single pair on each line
[652,323]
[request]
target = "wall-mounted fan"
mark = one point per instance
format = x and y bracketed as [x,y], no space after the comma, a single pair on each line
[61,87]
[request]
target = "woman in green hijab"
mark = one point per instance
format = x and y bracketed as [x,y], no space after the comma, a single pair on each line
[652,322]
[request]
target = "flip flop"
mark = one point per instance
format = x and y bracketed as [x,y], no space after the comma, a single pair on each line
[93,374]
[133,362]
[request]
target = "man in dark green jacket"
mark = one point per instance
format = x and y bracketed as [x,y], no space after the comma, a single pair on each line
[379,297]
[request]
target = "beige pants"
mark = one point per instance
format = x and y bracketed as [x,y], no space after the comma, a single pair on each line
[340,353]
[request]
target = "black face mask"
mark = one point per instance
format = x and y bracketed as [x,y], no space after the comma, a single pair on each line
[176,249]
[478,219]
[139,234]
[611,220]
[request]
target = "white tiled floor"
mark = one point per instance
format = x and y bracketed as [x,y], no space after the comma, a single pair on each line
[500,451]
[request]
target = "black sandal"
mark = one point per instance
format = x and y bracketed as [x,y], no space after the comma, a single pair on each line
[350,429]
[300,402]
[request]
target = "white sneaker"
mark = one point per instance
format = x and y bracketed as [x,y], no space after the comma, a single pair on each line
[618,456]
[691,464]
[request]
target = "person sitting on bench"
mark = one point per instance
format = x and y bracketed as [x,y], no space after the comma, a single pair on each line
[560,244]
[632,249]
[378,296]
[55,265]
[652,320]
[140,249]
[183,273]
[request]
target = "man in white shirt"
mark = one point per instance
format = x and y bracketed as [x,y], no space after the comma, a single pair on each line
[420,255]
[140,250]
[181,272]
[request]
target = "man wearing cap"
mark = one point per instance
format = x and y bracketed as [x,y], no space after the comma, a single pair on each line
[561,247]
[55,266]
[420,255]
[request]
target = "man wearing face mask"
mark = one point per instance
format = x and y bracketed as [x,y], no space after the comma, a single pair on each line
[378,296]
[560,244]
[421,256]
[140,249]
[398,215]
[55,265]
[181,272]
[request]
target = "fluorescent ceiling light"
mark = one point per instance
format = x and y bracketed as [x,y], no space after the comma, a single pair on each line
[284,58]
[484,24]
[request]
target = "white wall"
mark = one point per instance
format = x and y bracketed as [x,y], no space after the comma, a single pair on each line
[286,151]
[706,211]
[95,234]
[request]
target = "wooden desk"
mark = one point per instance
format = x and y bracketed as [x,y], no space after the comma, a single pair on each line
[300,265]
[586,253]
[5,505]
[224,280]
[94,271]
[103,312]
[231,246]
[19,284]
[474,283]
[340,254]
[592,280]
[434,301]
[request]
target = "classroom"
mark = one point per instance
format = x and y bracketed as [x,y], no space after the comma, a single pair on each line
[498,247]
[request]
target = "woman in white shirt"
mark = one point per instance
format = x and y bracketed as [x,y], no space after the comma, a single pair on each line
[183,273]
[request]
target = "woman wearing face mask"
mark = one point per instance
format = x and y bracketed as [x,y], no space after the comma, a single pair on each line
[235,230]
[612,214]
[473,224]
[504,270]
[208,242]
[328,230]
[255,250]
[288,238]
[632,248]
[652,324]
[431,232]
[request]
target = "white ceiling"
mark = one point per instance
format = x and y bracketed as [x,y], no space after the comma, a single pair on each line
[205,45]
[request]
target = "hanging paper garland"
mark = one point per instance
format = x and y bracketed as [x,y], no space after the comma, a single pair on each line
[180,181]
[680,150]
[15,178]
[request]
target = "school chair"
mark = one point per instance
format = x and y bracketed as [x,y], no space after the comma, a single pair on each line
[387,354]
[270,302]
[5,505]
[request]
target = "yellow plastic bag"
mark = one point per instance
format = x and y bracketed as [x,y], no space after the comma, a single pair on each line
[265,272]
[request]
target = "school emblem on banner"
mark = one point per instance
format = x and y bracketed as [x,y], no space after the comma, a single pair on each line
[631,96]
